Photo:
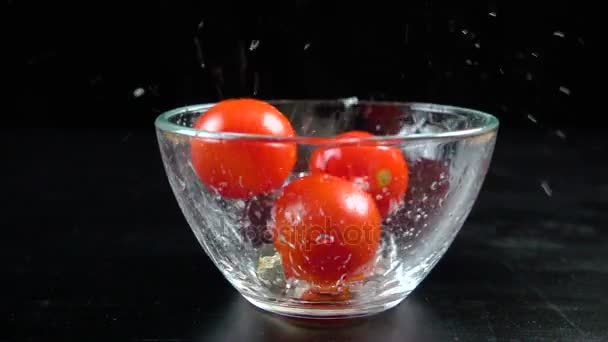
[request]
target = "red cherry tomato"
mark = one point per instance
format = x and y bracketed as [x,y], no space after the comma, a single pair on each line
[380,170]
[243,168]
[326,229]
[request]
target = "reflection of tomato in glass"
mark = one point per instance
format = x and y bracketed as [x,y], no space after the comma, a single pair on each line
[384,119]
[255,219]
[241,168]
[428,187]
[380,170]
[326,229]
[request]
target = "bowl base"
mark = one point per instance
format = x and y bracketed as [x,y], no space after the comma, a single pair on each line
[323,311]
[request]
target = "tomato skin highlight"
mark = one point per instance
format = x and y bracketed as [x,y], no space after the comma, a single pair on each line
[326,230]
[242,168]
[380,170]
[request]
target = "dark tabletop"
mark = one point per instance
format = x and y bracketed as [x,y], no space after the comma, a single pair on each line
[98,248]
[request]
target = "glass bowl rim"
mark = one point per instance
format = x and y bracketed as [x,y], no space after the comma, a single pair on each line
[490,123]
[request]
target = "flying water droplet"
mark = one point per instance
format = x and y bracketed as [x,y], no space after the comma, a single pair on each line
[306,46]
[532,118]
[138,92]
[560,134]
[559,34]
[492,14]
[254,44]
[564,90]
[546,188]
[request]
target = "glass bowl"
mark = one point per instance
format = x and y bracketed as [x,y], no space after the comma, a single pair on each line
[447,150]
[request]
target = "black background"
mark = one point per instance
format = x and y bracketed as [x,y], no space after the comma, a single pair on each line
[96,246]
[79,64]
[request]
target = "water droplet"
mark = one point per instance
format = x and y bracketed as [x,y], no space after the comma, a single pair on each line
[468,62]
[378,127]
[477,45]
[306,46]
[138,92]
[560,134]
[529,76]
[378,197]
[532,118]
[417,217]
[465,32]
[254,44]
[434,186]
[492,14]
[322,239]
[341,221]
[564,90]
[546,188]
[535,54]
[559,34]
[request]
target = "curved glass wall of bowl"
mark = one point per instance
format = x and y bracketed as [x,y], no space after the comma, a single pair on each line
[448,151]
